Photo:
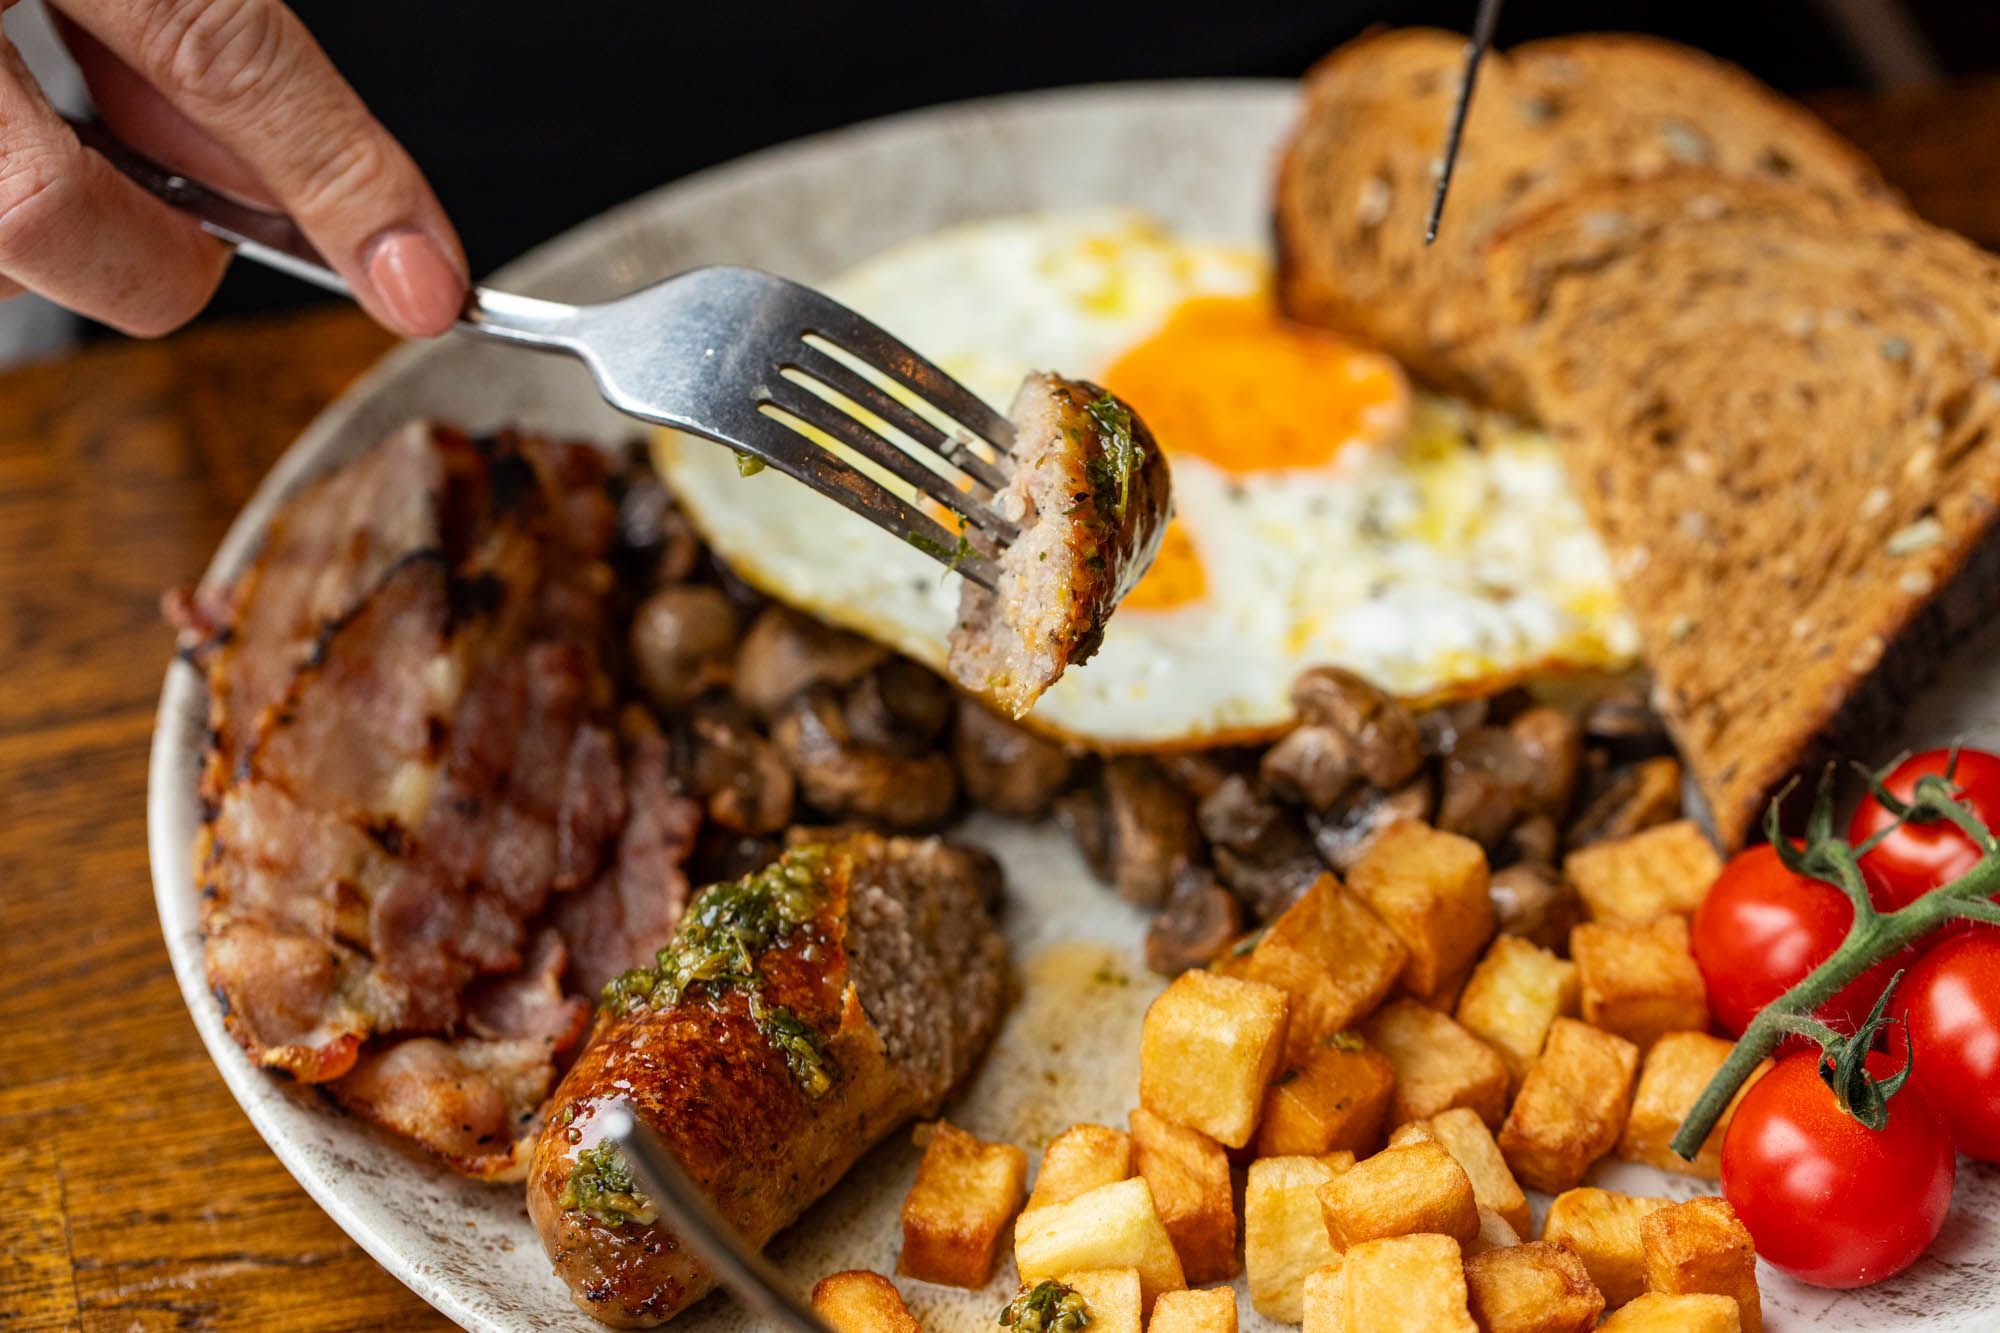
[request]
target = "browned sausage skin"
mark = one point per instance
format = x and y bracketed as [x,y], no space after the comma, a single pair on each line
[877,979]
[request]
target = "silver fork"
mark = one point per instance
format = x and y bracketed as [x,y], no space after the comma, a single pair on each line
[738,356]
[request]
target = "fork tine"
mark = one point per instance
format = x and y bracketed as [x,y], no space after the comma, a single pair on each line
[874,345]
[865,393]
[781,444]
[794,397]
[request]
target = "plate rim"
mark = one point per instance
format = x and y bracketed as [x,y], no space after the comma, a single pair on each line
[171,803]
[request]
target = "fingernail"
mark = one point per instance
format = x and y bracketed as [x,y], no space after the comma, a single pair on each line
[417,285]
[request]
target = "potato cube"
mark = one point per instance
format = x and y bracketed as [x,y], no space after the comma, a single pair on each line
[1404,1191]
[1656,1312]
[966,1193]
[1337,1100]
[1207,1047]
[862,1302]
[1444,996]
[1113,1295]
[1429,887]
[1112,1226]
[1677,1069]
[1464,1135]
[1210,1311]
[1336,1161]
[1412,1131]
[1700,1246]
[1532,1288]
[1603,1229]
[1284,1232]
[1325,1306]
[1639,981]
[1188,1173]
[1078,1160]
[1406,1284]
[1333,956]
[1667,868]
[1495,1233]
[1572,1107]
[1515,993]
[1438,1064]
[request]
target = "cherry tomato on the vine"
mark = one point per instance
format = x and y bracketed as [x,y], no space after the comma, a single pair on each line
[1828,1200]
[1762,928]
[1950,1005]
[1917,858]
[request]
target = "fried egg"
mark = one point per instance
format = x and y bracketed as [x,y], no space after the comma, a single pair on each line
[1324,512]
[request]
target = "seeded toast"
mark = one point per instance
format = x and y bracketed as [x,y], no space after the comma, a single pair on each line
[1780,407]
[1356,178]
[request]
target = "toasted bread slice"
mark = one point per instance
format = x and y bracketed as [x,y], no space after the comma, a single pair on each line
[1550,117]
[1781,409]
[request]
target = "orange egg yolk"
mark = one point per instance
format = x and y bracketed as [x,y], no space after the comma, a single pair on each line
[1228,381]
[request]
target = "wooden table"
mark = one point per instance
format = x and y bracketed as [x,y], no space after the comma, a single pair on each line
[137,1194]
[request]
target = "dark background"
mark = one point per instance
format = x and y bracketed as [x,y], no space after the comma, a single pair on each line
[529,118]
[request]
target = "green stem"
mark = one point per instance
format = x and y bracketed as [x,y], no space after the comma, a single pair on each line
[1874,937]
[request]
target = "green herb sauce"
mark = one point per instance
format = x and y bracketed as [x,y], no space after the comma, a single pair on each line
[953,556]
[1048,1307]
[1119,455]
[715,952]
[601,1185]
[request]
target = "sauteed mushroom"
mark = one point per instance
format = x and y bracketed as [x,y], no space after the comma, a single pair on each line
[1553,743]
[683,637]
[1200,919]
[1533,901]
[1343,833]
[734,771]
[899,706]
[1006,768]
[846,778]
[784,652]
[1380,731]
[1487,783]
[1634,798]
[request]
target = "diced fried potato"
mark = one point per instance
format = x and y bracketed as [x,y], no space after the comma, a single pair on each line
[1444,996]
[1495,1233]
[1411,1190]
[1700,1246]
[1406,1284]
[1112,1226]
[1516,992]
[1639,980]
[1337,1100]
[1113,1296]
[965,1194]
[1429,887]
[1571,1108]
[1333,956]
[1531,1288]
[1325,1300]
[862,1302]
[1603,1228]
[1677,1069]
[1438,1064]
[1078,1160]
[1207,1048]
[1284,1232]
[1188,1173]
[1666,868]
[1336,1161]
[1412,1131]
[1210,1311]
[1658,1313]
[1464,1135]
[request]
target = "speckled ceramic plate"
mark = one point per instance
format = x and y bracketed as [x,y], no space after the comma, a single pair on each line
[1197,155]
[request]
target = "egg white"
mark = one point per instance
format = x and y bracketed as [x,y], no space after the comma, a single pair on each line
[1451,558]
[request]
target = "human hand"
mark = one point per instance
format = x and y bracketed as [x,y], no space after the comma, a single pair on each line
[238,94]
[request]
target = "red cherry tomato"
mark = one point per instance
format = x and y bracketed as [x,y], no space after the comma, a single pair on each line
[1917,858]
[1828,1200]
[1762,928]
[1950,1004]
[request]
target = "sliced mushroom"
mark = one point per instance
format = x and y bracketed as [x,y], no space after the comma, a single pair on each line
[1535,838]
[1533,901]
[784,652]
[1624,718]
[1634,798]
[1006,768]
[1341,835]
[1381,731]
[1311,765]
[844,778]
[735,772]
[1240,816]
[655,540]
[1152,829]
[1553,743]
[1486,784]
[1200,919]
[1200,772]
[1439,728]
[899,706]
[1267,886]
[683,638]
[1085,814]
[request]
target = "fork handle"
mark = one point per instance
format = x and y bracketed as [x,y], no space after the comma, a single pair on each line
[274,240]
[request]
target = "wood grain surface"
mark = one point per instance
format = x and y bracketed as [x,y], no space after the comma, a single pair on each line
[137,1194]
